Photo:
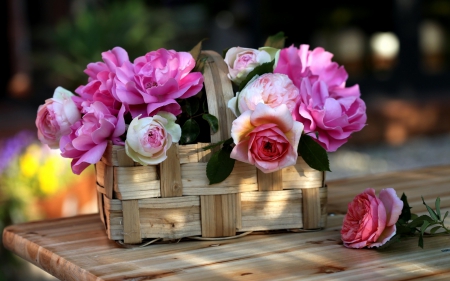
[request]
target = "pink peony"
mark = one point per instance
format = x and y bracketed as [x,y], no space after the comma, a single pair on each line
[298,63]
[266,137]
[90,135]
[149,138]
[325,104]
[55,117]
[370,221]
[155,81]
[334,113]
[101,85]
[272,89]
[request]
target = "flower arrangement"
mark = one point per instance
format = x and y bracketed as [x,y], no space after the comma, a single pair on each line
[378,221]
[288,102]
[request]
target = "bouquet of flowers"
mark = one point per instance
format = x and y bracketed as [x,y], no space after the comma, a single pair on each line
[288,102]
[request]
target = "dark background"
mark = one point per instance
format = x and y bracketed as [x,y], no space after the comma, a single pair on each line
[405,87]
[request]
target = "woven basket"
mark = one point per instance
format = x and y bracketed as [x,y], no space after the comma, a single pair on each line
[174,199]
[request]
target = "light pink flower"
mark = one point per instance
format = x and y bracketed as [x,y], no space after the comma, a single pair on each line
[325,105]
[266,137]
[149,138]
[101,85]
[154,82]
[370,221]
[90,135]
[55,117]
[272,89]
[241,61]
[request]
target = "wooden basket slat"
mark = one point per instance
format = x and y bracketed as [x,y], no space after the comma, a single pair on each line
[270,181]
[174,199]
[311,206]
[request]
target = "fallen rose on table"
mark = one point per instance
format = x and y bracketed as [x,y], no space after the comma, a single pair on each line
[377,222]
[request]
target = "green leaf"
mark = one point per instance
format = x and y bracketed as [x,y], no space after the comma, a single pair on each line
[205,106]
[421,241]
[406,211]
[434,229]
[227,142]
[195,52]
[420,220]
[220,165]
[445,216]
[259,70]
[424,227]
[212,121]
[437,204]
[404,230]
[276,41]
[313,153]
[224,52]
[431,211]
[191,105]
[189,131]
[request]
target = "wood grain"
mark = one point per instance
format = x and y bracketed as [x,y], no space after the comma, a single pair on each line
[77,248]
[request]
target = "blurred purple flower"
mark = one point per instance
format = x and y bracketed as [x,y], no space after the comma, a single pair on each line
[11,147]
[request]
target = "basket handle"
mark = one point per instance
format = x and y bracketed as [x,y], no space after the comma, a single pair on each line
[219,91]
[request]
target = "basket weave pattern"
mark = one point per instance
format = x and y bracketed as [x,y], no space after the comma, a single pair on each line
[174,199]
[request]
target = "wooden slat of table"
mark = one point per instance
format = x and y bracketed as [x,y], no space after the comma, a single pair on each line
[77,248]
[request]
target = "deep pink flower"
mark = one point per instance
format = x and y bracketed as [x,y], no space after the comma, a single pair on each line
[325,105]
[370,221]
[90,135]
[154,82]
[100,86]
[335,113]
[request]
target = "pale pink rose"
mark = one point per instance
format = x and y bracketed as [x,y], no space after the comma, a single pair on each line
[335,113]
[154,82]
[90,135]
[272,89]
[101,85]
[241,61]
[266,137]
[149,138]
[370,221]
[55,117]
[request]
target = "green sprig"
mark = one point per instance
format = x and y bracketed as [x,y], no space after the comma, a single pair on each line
[410,224]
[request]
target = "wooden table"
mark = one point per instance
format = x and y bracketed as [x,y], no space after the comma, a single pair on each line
[77,248]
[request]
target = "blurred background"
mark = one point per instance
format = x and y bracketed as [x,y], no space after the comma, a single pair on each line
[398,51]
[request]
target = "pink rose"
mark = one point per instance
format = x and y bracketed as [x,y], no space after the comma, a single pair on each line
[266,137]
[101,85]
[149,138]
[298,63]
[325,104]
[272,89]
[370,221]
[55,117]
[335,113]
[241,61]
[90,135]
[154,82]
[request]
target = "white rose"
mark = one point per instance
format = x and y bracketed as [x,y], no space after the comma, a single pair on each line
[241,61]
[149,138]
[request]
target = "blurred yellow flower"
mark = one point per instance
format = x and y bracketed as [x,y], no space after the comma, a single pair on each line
[29,162]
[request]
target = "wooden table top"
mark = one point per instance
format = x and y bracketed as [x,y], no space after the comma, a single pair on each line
[77,248]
